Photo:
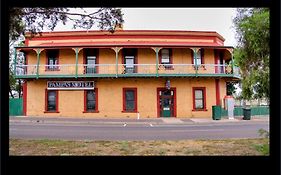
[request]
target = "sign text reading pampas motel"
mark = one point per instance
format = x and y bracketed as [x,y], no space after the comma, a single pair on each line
[70,85]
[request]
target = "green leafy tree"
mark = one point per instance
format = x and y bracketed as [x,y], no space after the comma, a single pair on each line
[34,20]
[253,51]
[230,88]
[15,85]
[12,83]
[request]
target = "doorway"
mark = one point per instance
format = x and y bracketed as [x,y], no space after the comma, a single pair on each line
[166,102]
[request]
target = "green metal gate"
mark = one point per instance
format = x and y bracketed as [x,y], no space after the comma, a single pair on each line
[15,106]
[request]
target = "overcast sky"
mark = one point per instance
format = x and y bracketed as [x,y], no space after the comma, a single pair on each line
[195,19]
[198,19]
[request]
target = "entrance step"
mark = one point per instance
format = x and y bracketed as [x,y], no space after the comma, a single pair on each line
[171,120]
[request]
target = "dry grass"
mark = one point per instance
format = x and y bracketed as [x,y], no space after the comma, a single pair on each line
[144,148]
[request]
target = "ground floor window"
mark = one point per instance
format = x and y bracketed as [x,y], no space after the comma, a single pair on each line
[129,100]
[91,100]
[199,98]
[51,101]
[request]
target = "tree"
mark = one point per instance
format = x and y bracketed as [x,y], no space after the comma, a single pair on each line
[15,85]
[12,83]
[34,20]
[230,88]
[253,51]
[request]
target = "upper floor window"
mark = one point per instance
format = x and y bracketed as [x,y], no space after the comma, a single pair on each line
[52,60]
[129,60]
[166,57]
[91,60]
[199,57]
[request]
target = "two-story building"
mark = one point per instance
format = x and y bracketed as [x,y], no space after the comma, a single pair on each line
[155,73]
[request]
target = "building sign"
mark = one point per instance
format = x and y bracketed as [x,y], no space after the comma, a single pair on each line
[70,85]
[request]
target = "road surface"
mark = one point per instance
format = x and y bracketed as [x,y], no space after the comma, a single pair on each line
[145,130]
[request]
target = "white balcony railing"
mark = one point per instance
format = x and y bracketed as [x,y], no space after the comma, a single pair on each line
[96,69]
[113,69]
[30,69]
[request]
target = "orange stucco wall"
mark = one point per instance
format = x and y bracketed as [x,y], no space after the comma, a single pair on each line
[110,98]
[110,102]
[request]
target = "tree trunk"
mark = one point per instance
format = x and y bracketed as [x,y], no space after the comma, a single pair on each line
[20,89]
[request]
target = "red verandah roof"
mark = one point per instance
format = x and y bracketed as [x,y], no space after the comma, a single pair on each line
[128,32]
[123,38]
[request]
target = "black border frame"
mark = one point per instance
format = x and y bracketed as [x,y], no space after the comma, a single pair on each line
[199,165]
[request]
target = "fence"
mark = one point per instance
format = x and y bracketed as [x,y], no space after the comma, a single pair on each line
[255,111]
[15,106]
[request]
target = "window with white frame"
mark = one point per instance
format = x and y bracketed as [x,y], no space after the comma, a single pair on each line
[53,57]
[198,58]
[166,58]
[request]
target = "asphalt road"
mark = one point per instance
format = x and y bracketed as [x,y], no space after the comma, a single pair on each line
[135,131]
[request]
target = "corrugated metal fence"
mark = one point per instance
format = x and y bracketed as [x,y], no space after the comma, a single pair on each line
[15,106]
[255,111]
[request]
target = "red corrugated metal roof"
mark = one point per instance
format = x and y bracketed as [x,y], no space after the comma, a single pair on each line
[129,32]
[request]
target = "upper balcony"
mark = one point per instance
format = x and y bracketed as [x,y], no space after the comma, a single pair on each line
[125,54]
[126,70]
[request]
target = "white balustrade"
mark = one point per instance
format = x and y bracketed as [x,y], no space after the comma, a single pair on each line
[26,69]
[107,69]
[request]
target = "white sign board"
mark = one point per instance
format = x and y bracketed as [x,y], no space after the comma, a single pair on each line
[70,85]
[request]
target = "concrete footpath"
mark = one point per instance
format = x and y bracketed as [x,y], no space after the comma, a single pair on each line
[160,121]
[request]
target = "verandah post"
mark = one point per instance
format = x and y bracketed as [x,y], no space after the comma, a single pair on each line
[76,62]
[156,50]
[157,61]
[38,61]
[116,57]
[195,50]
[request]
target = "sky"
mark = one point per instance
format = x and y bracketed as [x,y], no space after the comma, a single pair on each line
[194,19]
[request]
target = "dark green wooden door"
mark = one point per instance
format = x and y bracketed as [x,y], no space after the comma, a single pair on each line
[166,103]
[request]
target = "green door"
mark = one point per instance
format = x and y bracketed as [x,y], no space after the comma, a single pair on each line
[166,103]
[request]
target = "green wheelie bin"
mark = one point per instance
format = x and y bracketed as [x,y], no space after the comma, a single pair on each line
[216,110]
[247,113]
